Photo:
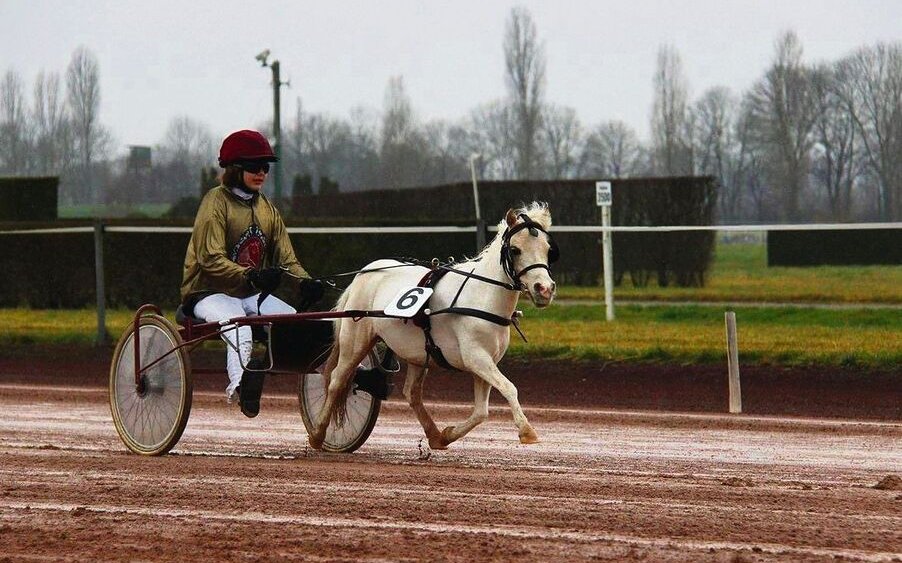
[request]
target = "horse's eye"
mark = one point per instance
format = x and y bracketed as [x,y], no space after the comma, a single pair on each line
[515,251]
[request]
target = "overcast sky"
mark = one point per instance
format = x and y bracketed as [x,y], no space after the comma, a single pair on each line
[162,59]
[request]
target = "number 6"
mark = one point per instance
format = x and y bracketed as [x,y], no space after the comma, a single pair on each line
[410,298]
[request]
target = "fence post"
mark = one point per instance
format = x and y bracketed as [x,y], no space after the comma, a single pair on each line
[608,263]
[733,363]
[101,337]
[480,235]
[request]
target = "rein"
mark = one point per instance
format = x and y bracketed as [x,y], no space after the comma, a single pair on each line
[507,261]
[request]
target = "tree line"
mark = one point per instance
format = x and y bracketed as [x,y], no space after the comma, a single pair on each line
[818,141]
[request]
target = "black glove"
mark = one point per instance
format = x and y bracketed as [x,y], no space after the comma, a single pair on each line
[265,280]
[311,292]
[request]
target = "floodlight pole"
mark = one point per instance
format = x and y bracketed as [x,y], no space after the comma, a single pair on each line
[480,224]
[276,121]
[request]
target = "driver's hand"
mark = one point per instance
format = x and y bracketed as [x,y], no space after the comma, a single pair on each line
[311,292]
[265,280]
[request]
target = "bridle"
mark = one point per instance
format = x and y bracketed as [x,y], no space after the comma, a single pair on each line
[507,259]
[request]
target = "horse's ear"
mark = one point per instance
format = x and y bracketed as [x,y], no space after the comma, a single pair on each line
[511,218]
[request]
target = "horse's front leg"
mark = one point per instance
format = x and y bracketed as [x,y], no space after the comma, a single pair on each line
[489,372]
[413,392]
[481,390]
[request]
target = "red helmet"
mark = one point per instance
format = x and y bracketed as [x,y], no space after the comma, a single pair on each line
[245,145]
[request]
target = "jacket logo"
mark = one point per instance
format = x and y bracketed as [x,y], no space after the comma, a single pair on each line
[250,248]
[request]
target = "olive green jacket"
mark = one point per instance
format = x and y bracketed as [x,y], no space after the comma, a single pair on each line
[231,236]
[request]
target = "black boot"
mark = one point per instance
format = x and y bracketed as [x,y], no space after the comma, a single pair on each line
[250,389]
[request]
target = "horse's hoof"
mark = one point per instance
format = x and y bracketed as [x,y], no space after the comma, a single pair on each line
[529,436]
[440,443]
[314,443]
[446,434]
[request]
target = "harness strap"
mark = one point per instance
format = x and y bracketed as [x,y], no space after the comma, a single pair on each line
[533,267]
[434,352]
[505,285]
[478,313]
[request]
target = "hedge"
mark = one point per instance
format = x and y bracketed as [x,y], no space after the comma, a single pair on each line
[28,198]
[859,247]
[57,270]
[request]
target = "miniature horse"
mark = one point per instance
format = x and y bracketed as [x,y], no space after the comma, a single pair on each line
[473,337]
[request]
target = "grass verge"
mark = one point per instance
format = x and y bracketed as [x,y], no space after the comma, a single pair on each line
[787,336]
[740,274]
[689,334]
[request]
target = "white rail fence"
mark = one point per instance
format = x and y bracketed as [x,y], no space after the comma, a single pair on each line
[99,229]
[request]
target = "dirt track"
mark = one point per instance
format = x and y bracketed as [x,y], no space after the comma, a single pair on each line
[602,485]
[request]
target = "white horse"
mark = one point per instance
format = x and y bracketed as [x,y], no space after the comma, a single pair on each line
[516,260]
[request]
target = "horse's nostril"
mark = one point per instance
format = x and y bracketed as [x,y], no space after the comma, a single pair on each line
[553,286]
[538,287]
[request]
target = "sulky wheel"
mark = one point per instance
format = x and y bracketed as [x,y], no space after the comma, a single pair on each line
[363,404]
[150,415]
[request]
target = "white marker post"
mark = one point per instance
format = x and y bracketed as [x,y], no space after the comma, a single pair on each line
[604,198]
[733,363]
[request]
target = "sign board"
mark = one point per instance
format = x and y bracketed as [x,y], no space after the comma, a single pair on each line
[408,302]
[138,156]
[603,193]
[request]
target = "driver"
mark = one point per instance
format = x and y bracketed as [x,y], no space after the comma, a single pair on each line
[239,248]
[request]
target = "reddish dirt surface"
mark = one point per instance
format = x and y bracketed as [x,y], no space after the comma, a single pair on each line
[635,463]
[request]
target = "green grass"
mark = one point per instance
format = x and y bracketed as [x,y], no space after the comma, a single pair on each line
[855,337]
[867,338]
[740,274]
[695,334]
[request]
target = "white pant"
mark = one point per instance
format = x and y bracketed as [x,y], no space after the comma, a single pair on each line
[221,307]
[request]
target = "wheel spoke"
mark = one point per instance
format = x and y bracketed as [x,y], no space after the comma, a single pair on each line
[149,421]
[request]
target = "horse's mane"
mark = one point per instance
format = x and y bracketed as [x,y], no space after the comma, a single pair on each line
[537,211]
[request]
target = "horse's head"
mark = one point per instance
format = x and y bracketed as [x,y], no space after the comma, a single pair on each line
[528,251]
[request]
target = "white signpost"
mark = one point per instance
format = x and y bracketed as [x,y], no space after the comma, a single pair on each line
[604,198]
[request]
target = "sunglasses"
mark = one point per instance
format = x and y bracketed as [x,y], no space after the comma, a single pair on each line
[254,167]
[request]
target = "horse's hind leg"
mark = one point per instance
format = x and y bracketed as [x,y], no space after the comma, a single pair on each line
[413,391]
[353,347]
[481,390]
[488,371]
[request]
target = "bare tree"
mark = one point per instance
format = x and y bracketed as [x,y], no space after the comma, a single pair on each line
[83,84]
[188,139]
[670,121]
[325,140]
[293,141]
[717,151]
[14,125]
[53,138]
[187,148]
[494,127]
[612,150]
[361,167]
[563,139]
[714,115]
[524,59]
[874,100]
[400,142]
[745,176]
[448,147]
[835,159]
[783,111]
